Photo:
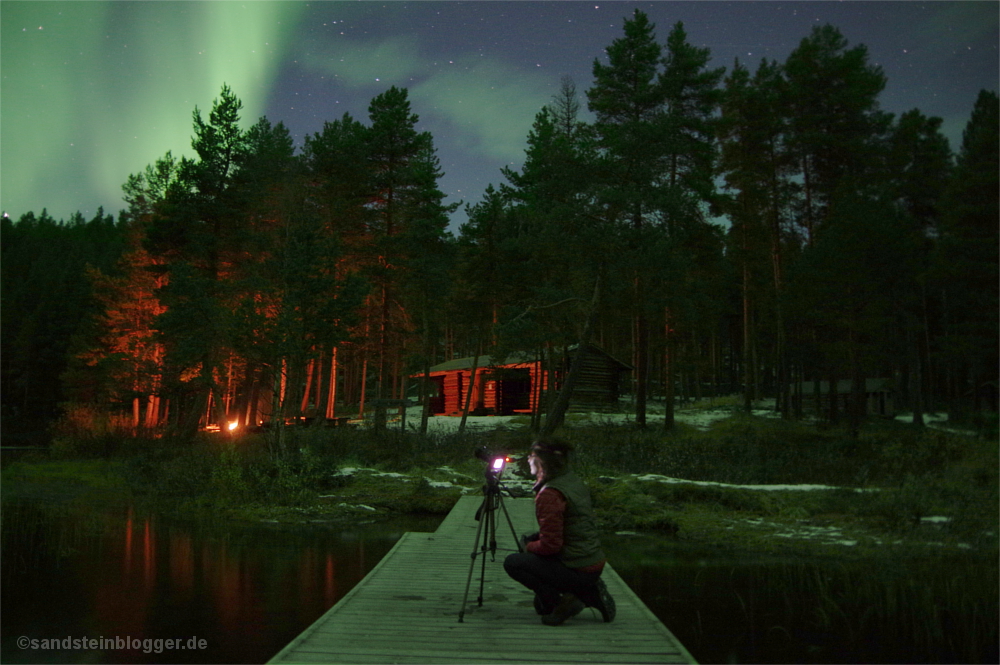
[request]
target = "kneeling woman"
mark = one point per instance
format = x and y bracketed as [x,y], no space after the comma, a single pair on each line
[564,560]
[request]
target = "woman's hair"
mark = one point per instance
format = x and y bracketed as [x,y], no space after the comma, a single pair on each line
[553,453]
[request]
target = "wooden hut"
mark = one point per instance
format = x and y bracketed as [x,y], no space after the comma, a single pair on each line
[517,383]
[878,395]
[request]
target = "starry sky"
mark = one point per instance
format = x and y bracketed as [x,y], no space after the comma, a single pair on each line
[91,92]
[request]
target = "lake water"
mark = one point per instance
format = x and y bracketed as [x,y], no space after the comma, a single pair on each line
[240,592]
[246,590]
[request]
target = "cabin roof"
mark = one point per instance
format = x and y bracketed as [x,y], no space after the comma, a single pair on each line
[515,358]
[483,361]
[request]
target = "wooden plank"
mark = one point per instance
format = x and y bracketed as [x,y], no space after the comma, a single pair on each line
[406,609]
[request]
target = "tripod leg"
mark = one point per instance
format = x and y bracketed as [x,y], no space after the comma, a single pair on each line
[493,527]
[517,541]
[472,566]
[489,537]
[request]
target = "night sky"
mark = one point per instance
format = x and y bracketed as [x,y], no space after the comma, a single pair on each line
[94,91]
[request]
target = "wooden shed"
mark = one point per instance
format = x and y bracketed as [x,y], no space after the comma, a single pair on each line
[878,395]
[517,383]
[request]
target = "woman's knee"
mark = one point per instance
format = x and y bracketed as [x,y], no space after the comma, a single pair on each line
[517,561]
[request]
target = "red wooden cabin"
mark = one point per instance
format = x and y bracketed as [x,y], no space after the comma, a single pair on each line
[517,383]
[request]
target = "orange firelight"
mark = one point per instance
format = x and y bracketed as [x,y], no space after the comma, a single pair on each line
[233,425]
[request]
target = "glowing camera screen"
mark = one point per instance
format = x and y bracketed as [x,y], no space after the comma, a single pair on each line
[498,465]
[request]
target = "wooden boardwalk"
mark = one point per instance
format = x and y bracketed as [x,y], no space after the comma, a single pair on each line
[406,610]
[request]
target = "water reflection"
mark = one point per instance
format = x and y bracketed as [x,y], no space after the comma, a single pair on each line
[247,590]
[885,607]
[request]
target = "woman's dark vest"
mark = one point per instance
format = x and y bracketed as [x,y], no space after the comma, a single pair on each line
[581,545]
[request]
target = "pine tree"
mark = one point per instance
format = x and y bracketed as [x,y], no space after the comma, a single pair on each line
[967,264]
[834,116]
[692,97]
[337,167]
[394,148]
[560,237]
[47,304]
[628,99]
[918,165]
[836,134]
[198,237]
[757,169]
[427,262]
[687,192]
[340,183]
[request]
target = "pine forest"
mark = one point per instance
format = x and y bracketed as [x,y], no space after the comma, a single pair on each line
[762,230]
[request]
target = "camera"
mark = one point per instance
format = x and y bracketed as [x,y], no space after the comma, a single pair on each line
[486,516]
[496,463]
[497,466]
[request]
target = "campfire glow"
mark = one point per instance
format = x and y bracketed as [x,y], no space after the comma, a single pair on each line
[233,425]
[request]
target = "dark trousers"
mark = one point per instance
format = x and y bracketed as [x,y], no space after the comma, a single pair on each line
[549,579]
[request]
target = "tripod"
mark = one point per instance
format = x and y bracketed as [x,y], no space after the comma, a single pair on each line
[486,516]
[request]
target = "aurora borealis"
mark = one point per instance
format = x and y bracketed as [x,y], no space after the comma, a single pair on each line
[94,91]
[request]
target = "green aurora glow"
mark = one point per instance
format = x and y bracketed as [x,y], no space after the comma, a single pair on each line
[91,92]
[489,105]
[67,68]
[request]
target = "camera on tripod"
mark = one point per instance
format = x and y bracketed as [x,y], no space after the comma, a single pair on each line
[495,463]
[486,516]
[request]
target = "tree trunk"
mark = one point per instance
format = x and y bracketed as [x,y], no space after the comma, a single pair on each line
[834,415]
[135,416]
[536,388]
[915,378]
[818,396]
[383,344]
[471,391]
[748,386]
[331,396]
[641,367]
[807,181]
[364,382]
[668,374]
[425,401]
[557,415]
[307,389]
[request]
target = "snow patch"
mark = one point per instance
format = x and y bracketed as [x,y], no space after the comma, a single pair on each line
[359,506]
[452,472]
[935,519]
[708,483]
[440,483]
[828,535]
[351,470]
[936,421]
[699,418]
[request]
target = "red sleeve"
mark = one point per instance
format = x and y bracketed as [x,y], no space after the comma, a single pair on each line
[550,507]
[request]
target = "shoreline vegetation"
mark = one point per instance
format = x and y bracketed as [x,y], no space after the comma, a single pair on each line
[890,536]
[746,482]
